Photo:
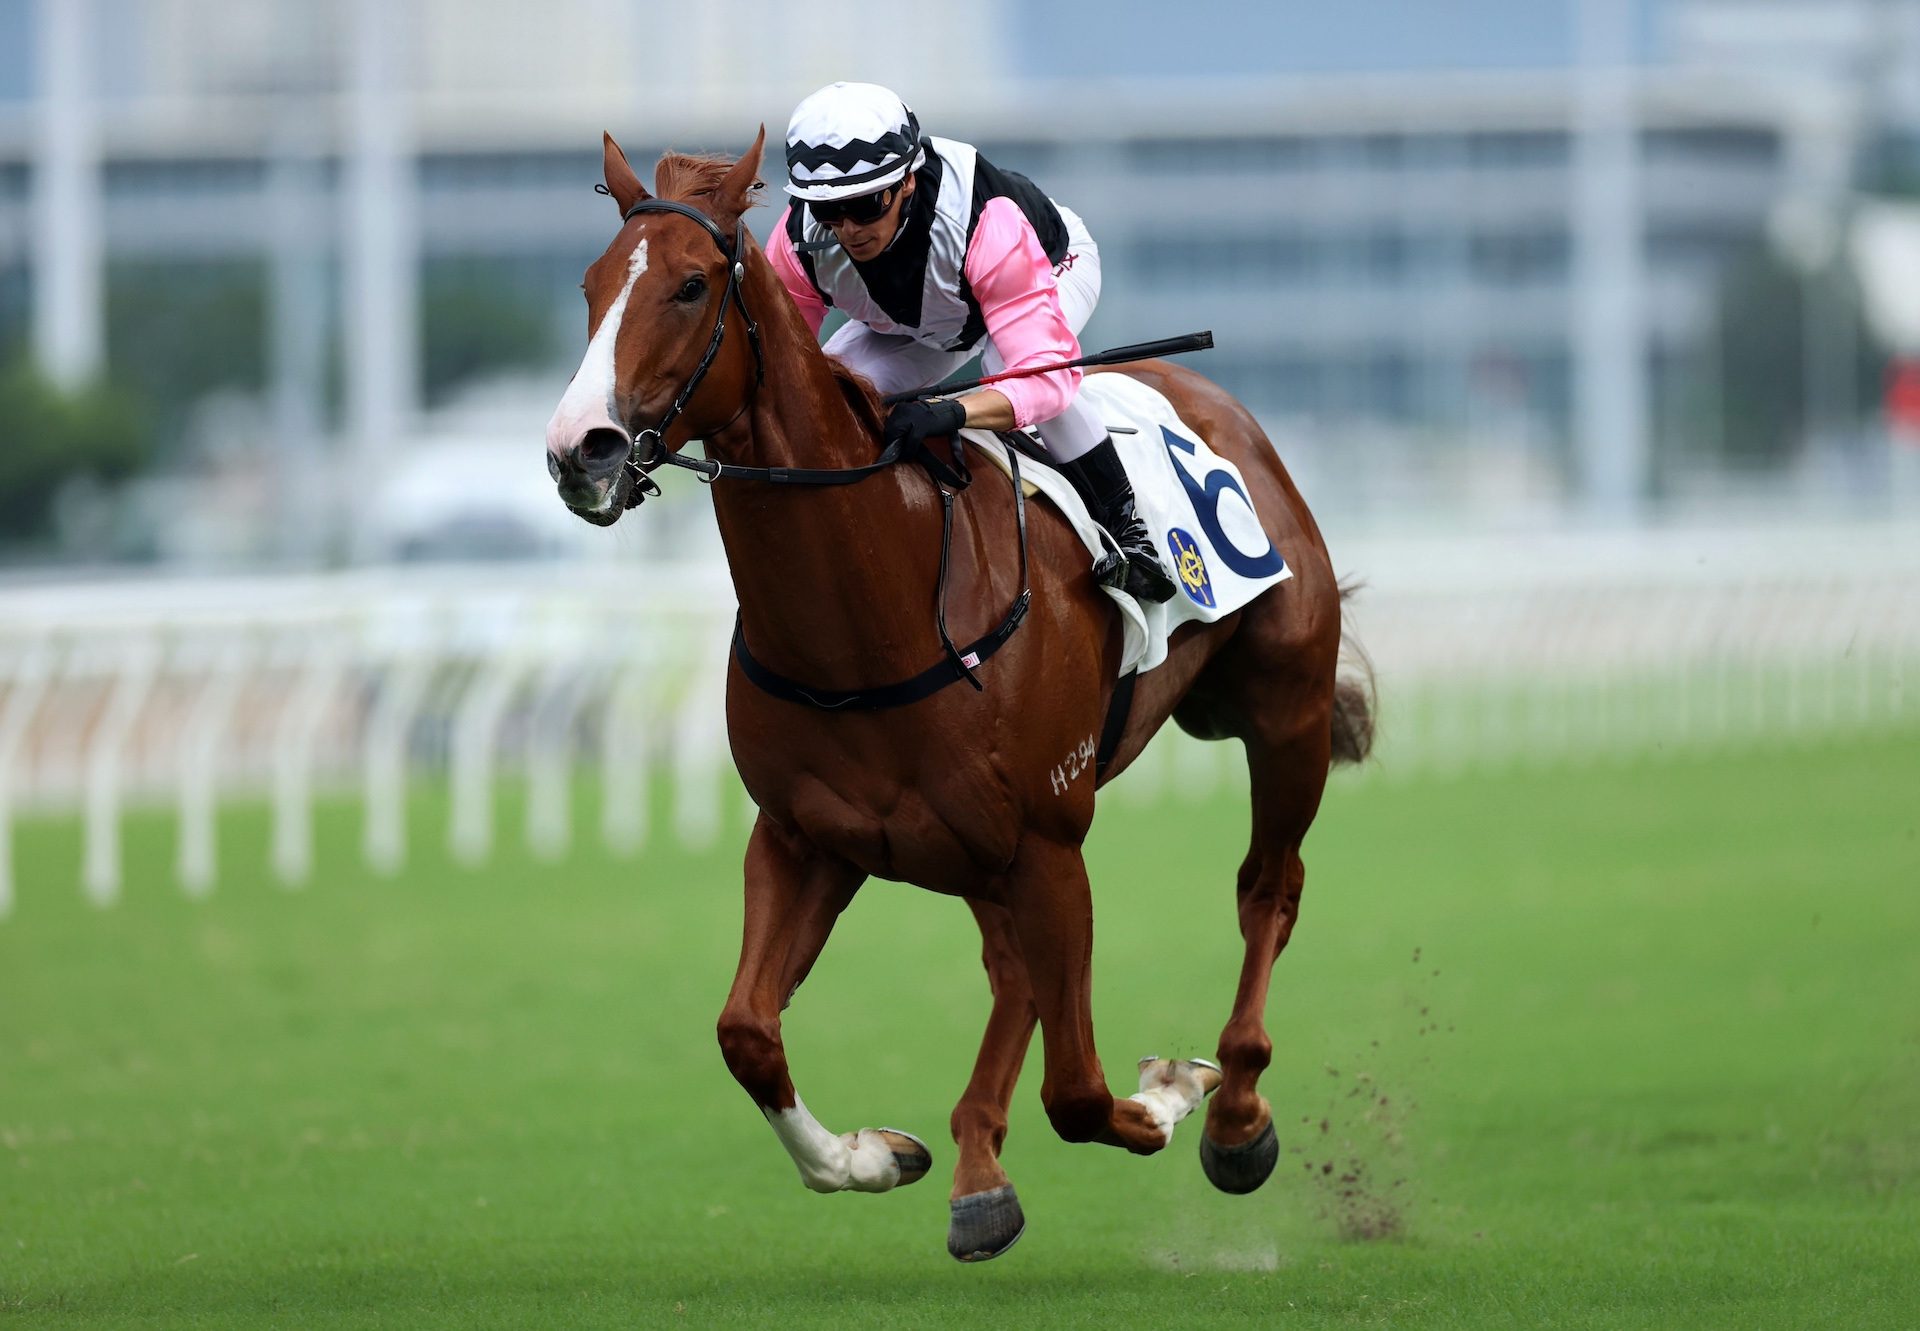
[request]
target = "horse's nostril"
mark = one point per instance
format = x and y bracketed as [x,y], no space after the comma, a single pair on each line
[602,451]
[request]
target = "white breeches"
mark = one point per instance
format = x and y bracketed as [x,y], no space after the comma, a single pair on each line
[898,364]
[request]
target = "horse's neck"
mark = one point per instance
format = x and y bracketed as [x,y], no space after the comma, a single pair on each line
[833,578]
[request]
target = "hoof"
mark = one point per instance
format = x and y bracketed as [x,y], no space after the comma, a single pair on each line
[910,1153]
[1242,1168]
[985,1224]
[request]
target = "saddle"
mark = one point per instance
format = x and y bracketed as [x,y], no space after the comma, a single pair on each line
[1194,501]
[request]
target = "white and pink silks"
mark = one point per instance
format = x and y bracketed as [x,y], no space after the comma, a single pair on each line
[1034,312]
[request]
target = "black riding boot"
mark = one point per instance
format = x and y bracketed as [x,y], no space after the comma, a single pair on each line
[1103,484]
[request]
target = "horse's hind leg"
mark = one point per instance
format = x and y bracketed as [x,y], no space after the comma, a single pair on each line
[1051,907]
[1238,1148]
[986,1215]
[794,895]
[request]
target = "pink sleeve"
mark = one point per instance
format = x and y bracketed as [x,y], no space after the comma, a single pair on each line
[1013,282]
[786,263]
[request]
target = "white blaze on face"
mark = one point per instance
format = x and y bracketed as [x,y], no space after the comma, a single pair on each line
[589,402]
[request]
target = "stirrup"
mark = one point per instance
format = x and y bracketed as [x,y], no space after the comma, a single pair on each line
[1147,579]
[1110,570]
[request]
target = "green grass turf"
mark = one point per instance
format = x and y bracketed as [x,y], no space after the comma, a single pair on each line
[1635,1046]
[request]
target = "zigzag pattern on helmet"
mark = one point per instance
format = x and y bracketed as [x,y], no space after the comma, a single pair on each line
[849,156]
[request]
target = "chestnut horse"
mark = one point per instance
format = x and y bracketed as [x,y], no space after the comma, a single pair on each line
[694,337]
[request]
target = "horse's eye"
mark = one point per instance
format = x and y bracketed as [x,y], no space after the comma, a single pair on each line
[691,290]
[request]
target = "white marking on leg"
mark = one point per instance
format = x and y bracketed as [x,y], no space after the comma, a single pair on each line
[1170,1091]
[1167,1105]
[853,1161]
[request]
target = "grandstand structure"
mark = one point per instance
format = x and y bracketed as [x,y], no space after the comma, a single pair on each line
[1479,292]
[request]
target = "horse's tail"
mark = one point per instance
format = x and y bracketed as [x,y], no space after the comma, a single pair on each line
[1354,697]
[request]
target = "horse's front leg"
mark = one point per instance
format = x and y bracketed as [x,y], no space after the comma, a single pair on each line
[986,1215]
[1052,911]
[794,894]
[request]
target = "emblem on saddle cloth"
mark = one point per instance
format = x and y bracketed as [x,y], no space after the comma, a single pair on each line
[1192,499]
[1190,566]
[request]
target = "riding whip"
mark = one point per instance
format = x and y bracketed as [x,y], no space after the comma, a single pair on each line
[1166,346]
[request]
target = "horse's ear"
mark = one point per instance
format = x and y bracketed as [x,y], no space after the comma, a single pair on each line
[622,183]
[735,194]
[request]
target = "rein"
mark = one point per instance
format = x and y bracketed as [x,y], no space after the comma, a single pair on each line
[649,452]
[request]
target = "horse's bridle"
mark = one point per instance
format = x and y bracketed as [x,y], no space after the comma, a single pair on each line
[649,449]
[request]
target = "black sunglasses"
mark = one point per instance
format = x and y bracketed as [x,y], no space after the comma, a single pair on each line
[863,209]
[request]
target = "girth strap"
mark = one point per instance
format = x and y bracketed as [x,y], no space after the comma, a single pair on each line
[923,685]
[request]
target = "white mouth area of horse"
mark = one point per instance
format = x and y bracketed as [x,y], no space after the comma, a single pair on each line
[612,501]
[589,498]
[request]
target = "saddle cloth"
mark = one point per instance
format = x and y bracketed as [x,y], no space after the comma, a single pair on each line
[1194,502]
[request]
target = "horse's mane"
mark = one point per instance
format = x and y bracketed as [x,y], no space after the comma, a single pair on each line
[695,178]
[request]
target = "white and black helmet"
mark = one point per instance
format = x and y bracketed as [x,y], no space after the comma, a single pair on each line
[850,139]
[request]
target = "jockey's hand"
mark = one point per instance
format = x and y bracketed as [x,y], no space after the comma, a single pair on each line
[911,424]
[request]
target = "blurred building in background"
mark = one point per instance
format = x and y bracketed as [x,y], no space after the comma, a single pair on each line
[1605,277]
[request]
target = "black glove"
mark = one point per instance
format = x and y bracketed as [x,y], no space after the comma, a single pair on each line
[911,424]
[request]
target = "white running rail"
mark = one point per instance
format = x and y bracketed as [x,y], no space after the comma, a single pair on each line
[1542,649]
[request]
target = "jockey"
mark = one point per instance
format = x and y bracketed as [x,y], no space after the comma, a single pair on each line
[931,250]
